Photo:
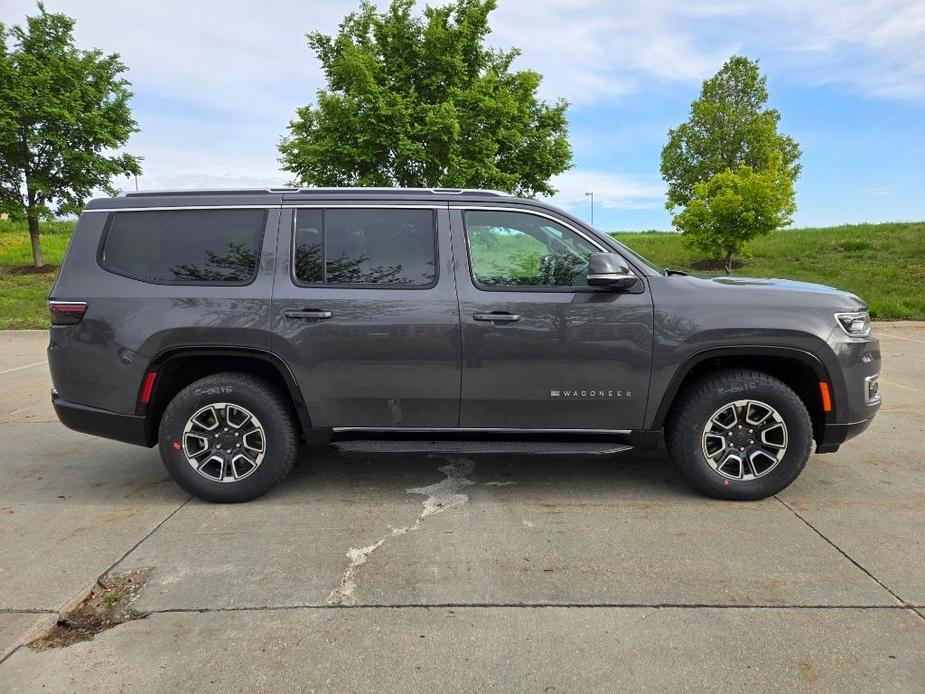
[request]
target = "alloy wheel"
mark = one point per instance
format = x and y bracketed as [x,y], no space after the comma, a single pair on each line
[744,440]
[224,442]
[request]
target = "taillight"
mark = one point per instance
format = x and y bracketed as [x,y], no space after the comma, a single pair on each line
[67,312]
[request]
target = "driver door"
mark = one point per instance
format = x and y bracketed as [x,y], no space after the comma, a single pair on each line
[540,348]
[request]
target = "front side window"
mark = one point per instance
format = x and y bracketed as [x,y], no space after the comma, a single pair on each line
[360,247]
[185,246]
[517,250]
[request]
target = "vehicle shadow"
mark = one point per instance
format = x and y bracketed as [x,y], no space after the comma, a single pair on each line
[634,475]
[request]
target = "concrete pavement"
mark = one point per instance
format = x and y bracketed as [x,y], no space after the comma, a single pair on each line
[399,573]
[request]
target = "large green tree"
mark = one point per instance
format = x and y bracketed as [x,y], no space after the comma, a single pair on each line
[730,134]
[733,207]
[63,114]
[422,102]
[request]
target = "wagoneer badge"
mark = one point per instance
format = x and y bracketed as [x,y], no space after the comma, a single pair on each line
[590,394]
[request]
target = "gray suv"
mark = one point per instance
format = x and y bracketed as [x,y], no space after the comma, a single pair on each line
[230,327]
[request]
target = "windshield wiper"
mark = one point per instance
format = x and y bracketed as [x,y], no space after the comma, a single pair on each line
[669,272]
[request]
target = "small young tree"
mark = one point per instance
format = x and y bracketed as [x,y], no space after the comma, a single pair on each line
[421,102]
[63,112]
[734,207]
[730,148]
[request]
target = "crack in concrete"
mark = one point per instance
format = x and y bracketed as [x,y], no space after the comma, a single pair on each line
[441,496]
[902,603]
[27,610]
[357,556]
[523,606]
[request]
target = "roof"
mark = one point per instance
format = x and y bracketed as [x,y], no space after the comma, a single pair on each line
[276,196]
[391,192]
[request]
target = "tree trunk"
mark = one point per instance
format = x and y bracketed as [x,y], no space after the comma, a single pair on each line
[727,263]
[37,259]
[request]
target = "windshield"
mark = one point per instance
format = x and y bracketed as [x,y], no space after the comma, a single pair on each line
[633,255]
[638,258]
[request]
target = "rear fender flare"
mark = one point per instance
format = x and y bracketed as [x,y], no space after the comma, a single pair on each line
[176,354]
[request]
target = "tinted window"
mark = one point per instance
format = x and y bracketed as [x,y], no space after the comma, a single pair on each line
[363,247]
[185,246]
[520,250]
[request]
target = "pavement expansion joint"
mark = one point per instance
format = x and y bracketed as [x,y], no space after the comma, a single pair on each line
[519,606]
[899,600]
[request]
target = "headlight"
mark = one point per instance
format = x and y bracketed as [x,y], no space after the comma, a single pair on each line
[856,324]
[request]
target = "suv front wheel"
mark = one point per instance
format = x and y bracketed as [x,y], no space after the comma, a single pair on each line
[228,437]
[739,434]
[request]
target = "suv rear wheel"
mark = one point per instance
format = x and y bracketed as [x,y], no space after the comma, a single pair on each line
[228,437]
[739,434]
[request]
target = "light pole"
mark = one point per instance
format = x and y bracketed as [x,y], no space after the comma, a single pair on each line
[136,175]
[591,194]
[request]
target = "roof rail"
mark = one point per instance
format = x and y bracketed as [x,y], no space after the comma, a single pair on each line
[202,191]
[257,191]
[399,191]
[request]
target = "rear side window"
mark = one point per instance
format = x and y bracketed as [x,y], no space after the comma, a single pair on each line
[362,247]
[185,246]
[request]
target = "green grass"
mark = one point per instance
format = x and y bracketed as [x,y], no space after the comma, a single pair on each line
[882,263]
[23,297]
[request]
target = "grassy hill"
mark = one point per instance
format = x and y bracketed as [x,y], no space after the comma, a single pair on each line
[883,263]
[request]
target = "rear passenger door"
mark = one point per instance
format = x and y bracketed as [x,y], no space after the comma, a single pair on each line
[365,312]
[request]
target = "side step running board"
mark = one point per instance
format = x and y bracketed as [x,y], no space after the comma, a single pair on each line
[581,448]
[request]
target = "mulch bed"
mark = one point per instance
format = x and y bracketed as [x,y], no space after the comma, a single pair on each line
[714,264]
[47,268]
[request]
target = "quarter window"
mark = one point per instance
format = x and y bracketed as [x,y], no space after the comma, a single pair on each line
[353,247]
[185,246]
[517,250]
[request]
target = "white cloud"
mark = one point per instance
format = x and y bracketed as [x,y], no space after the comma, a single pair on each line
[217,81]
[877,48]
[611,190]
[593,51]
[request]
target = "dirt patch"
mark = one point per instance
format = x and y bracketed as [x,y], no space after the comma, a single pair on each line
[715,264]
[46,269]
[108,604]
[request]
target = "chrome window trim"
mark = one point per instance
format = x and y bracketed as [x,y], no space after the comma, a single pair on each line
[175,208]
[107,230]
[171,208]
[497,208]
[366,206]
[333,285]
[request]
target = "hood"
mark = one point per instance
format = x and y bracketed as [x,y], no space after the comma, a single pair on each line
[789,285]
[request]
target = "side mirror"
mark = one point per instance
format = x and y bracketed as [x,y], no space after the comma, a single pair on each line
[609,270]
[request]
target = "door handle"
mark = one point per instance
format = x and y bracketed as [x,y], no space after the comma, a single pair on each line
[497,317]
[309,314]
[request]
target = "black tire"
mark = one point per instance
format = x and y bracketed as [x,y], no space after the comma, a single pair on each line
[698,403]
[259,398]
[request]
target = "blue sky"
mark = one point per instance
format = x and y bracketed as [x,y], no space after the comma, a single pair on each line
[216,83]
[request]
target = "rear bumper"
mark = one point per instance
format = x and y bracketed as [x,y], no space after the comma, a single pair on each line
[91,420]
[834,435]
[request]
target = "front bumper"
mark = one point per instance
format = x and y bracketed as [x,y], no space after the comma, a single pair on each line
[834,435]
[858,363]
[91,420]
